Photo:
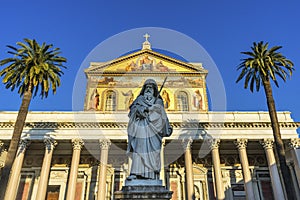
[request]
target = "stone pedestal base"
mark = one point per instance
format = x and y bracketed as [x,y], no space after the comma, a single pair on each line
[143,189]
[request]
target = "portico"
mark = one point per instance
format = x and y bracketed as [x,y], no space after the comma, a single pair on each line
[225,168]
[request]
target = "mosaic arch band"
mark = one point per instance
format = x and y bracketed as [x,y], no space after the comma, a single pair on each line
[148,124]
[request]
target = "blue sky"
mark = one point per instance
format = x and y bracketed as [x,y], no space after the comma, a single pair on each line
[223,28]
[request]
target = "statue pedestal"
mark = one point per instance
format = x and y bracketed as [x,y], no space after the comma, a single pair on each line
[143,189]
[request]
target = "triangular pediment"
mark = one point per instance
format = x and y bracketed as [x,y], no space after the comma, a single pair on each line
[119,81]
[144,61]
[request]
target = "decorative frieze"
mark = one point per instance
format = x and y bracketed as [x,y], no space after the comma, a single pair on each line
[121,125]
[77,143]
[232,159]
[241,143]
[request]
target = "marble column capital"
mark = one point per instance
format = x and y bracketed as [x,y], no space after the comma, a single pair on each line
[77,143]
[267,143]
[241,143]
[213,143]
[187,143]
[23,144]
[104,143]
[294,143]
[50,143]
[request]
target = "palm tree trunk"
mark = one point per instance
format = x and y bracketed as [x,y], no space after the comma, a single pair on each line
[14,143]
[279,145]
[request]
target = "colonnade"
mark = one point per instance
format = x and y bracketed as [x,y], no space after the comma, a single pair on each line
[105,144]
[241,145]
[50,144]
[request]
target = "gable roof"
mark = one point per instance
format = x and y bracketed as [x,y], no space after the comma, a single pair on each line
[167,63]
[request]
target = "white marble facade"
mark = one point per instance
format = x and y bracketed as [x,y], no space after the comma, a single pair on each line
[229,129]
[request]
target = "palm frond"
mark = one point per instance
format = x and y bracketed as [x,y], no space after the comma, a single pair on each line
[263,64]
[31,65]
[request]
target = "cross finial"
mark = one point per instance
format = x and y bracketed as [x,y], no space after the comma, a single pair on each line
[146,36]
[146,44]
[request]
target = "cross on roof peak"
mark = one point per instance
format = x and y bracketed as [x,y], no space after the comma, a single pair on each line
[146,36]
[146,44]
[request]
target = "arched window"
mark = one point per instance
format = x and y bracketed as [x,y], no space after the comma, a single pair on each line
[182,101]
[110,101]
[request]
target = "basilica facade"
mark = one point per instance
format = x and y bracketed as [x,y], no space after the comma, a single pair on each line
[210,155]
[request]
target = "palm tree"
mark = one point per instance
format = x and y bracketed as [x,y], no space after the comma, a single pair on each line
[33,69]
[260,67]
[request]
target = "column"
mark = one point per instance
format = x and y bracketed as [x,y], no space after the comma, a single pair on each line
[162,162]
[50,143]
[182,193]
[110,183]
[241,144]
[293,145]
[1,145]
[274,174]
[129,166]
[104,146]
[214,146]
[129,162]
[14,179]
[187,145]
[77,143]
[1,148]
[291,166]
